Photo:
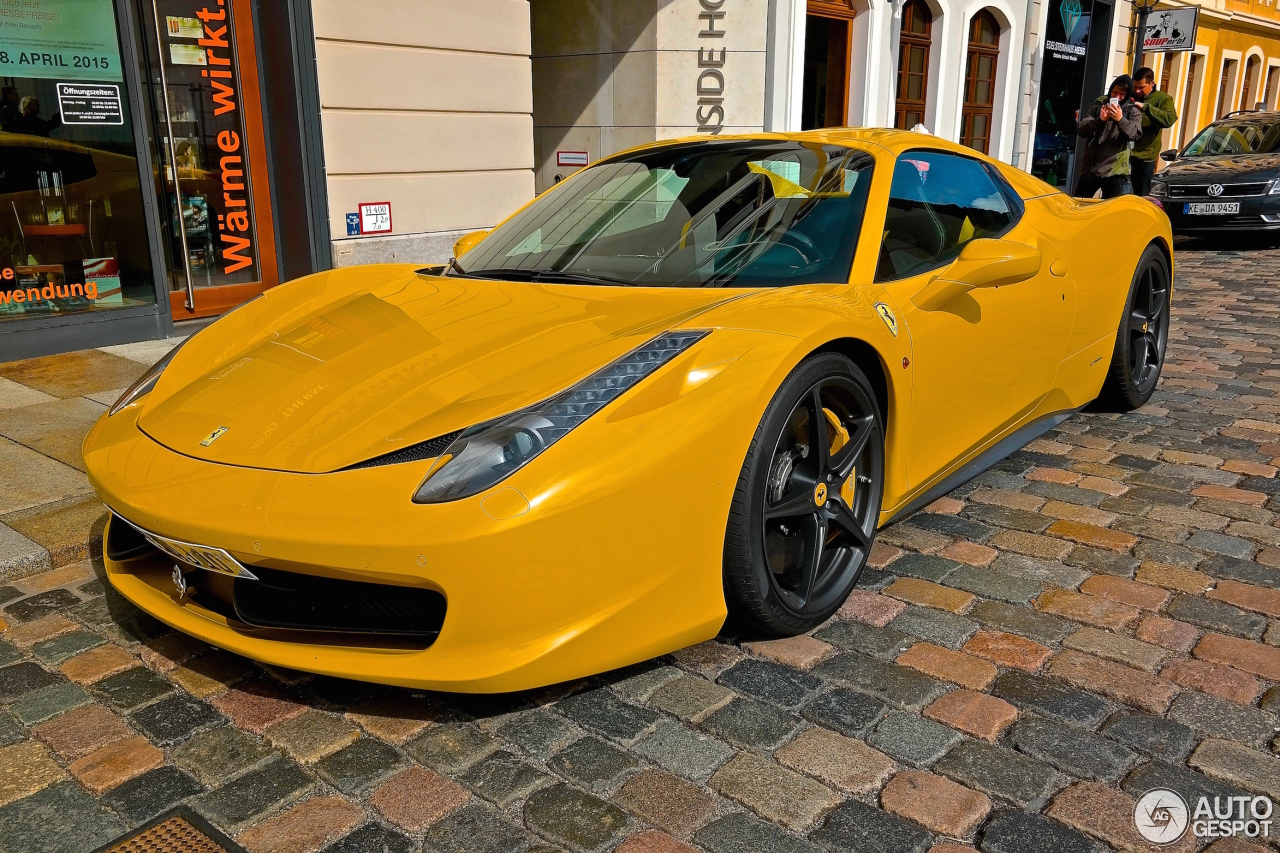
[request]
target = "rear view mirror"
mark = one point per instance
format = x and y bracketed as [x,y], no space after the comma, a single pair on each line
[982,263]
[467,242]
[1170,155]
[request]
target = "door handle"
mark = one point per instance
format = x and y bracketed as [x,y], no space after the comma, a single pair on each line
[1058,268]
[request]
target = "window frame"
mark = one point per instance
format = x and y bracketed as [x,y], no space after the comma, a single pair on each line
[1017,209]
[971,110]
[907,40]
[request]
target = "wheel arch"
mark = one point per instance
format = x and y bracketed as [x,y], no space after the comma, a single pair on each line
[870,362]
[1166,249]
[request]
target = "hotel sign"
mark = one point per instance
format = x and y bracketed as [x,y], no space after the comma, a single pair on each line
[710,113]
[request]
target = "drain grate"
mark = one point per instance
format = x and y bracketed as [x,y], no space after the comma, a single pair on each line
[178,831]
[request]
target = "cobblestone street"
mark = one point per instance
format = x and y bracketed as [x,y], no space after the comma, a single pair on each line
[1095,617]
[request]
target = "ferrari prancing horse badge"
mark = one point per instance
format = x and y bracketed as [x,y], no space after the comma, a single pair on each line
[217,433]
[886,314]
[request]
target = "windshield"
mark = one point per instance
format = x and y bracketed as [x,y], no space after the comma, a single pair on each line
[1236,137]
[705,214]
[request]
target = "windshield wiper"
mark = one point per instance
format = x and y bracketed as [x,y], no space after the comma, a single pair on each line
[544,274]
[579,278]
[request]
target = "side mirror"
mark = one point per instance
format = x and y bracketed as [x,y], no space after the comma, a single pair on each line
[467,242]
[1170,155]
[982,263]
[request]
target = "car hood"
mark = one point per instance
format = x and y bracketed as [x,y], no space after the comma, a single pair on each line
[345,366]
[1224,168]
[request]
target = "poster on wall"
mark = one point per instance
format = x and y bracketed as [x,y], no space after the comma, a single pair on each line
[1070,43]
[67,39]
[1171,30]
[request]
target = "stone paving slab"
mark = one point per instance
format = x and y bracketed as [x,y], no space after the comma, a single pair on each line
[1094,617]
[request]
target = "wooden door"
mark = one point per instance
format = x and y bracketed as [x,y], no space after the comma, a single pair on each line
[913,64]
[980,82]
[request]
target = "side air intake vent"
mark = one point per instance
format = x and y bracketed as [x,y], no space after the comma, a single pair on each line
[413,453]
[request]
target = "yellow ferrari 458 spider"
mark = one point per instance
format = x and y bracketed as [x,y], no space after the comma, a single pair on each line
[692,379]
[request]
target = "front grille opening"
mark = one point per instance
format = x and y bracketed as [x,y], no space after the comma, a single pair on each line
[413,453]
[125,542]
[301,602]
[344,610]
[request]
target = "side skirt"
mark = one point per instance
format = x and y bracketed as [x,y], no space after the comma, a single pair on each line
[1015,441]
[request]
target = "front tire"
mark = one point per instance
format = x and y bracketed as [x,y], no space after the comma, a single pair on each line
[1142,337]
[807,502]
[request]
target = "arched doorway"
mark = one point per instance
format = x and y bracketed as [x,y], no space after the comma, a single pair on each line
[980,81]
[828,43]
[913,64]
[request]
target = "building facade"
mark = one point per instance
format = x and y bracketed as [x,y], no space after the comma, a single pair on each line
[178,157]
[1234,66]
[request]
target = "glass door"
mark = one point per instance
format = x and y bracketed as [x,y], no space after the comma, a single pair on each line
[209,152]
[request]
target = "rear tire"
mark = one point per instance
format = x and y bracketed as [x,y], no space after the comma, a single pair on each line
[1141,339]
[807,502]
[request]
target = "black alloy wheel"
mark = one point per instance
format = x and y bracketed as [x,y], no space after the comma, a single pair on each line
[1142,336]
[807,505]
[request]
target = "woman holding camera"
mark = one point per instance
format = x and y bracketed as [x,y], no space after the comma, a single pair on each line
[1113,124]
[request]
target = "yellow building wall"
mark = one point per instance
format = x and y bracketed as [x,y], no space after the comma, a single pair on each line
[1229,30]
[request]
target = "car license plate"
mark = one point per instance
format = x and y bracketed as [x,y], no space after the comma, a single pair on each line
[1211,208]
[198,556]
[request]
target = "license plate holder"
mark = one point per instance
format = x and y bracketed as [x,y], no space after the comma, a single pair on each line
[198,556]
[1211,208]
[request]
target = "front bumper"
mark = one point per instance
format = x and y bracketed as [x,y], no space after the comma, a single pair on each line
[602,552]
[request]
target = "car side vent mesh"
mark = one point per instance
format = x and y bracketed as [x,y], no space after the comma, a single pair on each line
[413,453]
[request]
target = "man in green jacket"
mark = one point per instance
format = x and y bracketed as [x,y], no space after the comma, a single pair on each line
[1158,112]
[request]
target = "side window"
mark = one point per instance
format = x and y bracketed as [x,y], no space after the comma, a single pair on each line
[937,203]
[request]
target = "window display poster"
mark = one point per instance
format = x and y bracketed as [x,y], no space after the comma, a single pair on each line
[98,104]
[186,54]
[184,28]
[104,275]
[67,39]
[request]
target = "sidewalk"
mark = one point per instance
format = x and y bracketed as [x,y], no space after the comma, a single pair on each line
[49,516]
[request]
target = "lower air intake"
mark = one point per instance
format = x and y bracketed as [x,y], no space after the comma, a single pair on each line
[309,603]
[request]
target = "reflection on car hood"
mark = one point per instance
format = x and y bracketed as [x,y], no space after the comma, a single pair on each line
[1222,168]
[327,372]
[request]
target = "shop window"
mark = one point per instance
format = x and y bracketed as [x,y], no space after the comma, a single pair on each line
[1166,71]
[1248,87]
[1268,97]
[913,64]
[980,82]
[73,234]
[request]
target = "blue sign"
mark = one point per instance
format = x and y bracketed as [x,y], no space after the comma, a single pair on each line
[353,225]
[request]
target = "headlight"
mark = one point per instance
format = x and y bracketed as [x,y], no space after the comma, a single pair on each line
[146,381]
[1159,188]
[1275,187]
[486,454]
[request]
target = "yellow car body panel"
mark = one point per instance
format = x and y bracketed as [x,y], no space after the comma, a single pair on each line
[606,549]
